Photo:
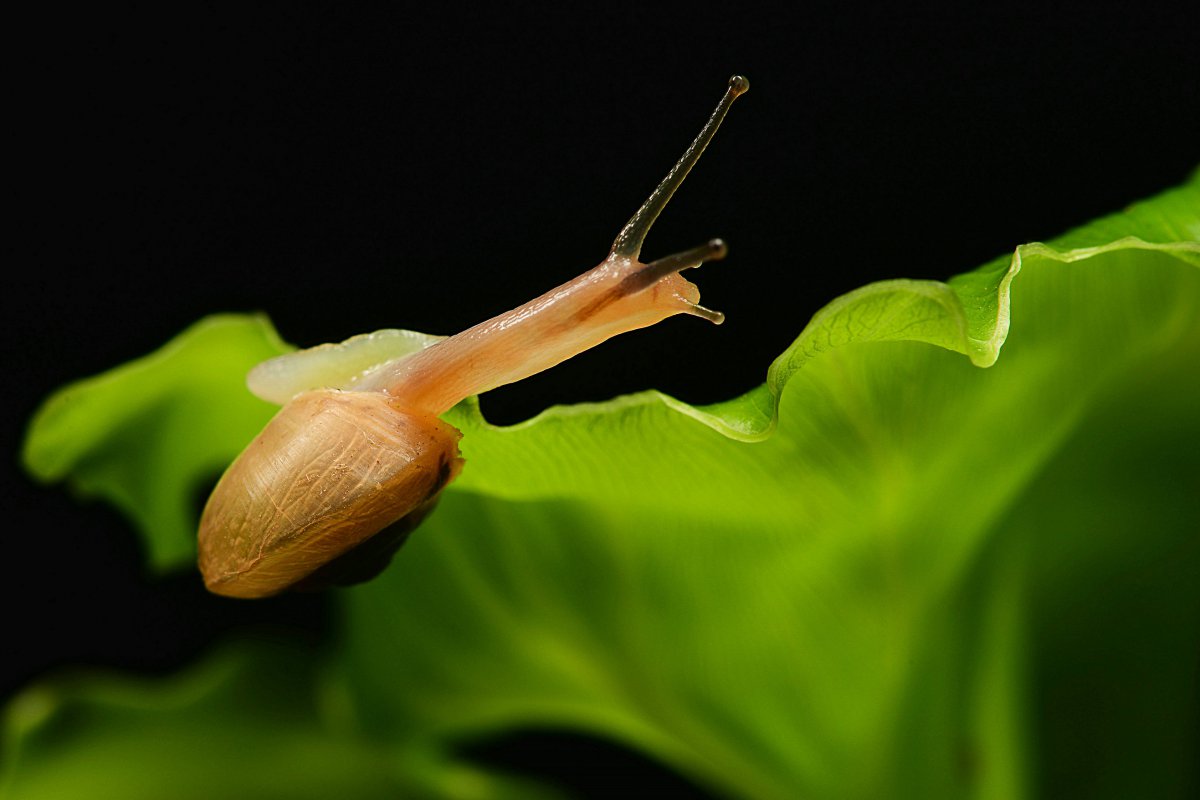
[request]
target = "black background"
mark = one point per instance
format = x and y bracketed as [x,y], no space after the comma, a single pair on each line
[349,172]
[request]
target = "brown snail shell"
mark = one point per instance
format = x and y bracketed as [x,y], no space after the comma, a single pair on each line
[331,470]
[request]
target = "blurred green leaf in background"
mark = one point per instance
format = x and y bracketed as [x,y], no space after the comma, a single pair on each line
[884,573]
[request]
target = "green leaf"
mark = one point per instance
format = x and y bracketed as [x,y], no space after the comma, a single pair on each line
[886,572]
[256,720]
[147,435]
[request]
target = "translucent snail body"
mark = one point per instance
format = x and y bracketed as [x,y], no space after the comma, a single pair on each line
[334,483]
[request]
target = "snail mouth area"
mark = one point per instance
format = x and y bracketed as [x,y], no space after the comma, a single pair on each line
[627,303]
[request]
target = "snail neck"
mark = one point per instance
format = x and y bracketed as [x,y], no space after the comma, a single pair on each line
[599,304]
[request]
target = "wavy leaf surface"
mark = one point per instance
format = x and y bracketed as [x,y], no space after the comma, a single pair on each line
[885,572]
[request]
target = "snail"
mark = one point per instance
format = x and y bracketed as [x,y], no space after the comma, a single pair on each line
[357,456]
